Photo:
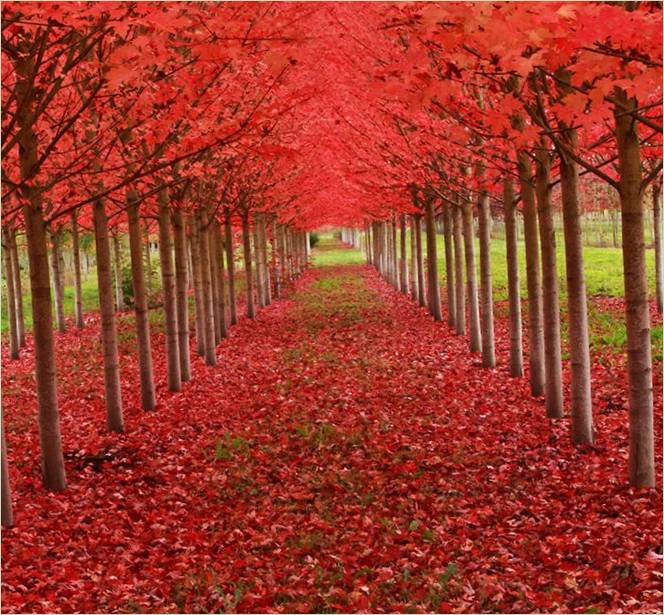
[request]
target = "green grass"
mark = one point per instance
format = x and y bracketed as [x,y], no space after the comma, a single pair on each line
[327,253]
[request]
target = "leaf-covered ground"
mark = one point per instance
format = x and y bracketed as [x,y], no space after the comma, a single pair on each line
[347,454]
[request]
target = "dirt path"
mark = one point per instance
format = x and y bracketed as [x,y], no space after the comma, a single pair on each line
[346,454]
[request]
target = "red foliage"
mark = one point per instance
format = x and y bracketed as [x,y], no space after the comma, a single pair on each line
[351,461]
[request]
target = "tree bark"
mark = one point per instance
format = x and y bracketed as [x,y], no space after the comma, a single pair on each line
[148,259]
[6,495]
[18,291]
[421,299]
[276,259]
[145,370]
[449,266]
[657,240]
[206,289]
[553,387]
[577,308]
[214,279]
[262,237]
[168,291]
[57,282]
[218,255]
[459,290]
[117,271]
[536,338]
[78,292]
[258,255]
[513,285]
[471,277]
[251,312]
[181,286]
[394,253]
[230,259]
[486,288]
[403,264]
[433,291]
[14,344]
[109,334]
[198,287]
[637,318]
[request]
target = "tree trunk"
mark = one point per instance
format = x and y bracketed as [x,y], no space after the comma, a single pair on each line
[206,289]
[181,286]
[403,263]
[486,288]
[276,258]
[536,338]
[57,279]
[657,240]
[230,260]
[449,266]
[117,271]
[471,277]
[266,264]
[577,309]
[218,256]
[214,279]
[198,287]
[18,291]
[637,318]
[148,259]
[78,292]
[553,387]
[251,313]
[394,254]
[421,299]
[145,370]
[433,290]
[513,285]
[14,343]
[459,291]
[6,495]
[109,336]
[258,255]
[168,292]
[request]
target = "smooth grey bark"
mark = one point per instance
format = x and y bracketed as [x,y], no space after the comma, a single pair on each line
[513,284]
[421,299]
[433,290]
[471,277]
[657,240]
[459,290]
[181,286]
[109,335]
[117,273]
[218,255]
[449,265]
[78,293]
[145,369]
[230,261]
[403,263]
[486,288]
[258,269]
[18,290]
[553,387]
[248,270]
[535,325]
[168,292]
[206,288]
[577,308]
[14,344]
[198,287]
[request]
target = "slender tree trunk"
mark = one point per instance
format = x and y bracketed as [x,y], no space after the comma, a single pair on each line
[18,291]
[117,273]
[266,263]
[420,260]
[536,338]
[218,255]
[553,387]
[57,285]
[459,291]
[214,278]
[148,399]
[637,318]
[230,259]
[78,292]
[403,263]
[486,288]
[181,286]
[198,288]
[281,261]
[168,292]
[206,289]
[246,238]
[471,277]
[394,253]
[6,495]
[14,343]
[433,290]
[577,309]
[276,258]
[258,256]
[657,240]
[513,285]
[449,266]
[413,261]
[148,259]
[109,334]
